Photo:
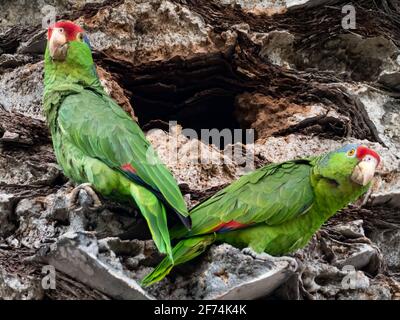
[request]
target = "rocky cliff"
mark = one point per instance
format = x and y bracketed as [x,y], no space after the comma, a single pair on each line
[286,69]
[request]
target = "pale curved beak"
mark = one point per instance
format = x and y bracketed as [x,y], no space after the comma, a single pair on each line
[364,171]
[58,46]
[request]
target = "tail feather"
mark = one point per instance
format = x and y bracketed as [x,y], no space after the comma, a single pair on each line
[155,214]
[131,174]
[184,251]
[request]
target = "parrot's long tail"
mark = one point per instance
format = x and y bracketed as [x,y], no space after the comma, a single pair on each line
[184,251]
[156,216]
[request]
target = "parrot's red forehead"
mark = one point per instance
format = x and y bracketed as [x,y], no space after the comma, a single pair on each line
[362,151]
[70,28]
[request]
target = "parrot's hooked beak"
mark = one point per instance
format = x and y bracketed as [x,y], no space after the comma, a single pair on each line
[365,170]
[58,45]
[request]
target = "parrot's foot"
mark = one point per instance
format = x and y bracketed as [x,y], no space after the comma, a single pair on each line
[87,187]
[292,263]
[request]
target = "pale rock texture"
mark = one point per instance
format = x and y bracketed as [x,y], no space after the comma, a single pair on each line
[140,31]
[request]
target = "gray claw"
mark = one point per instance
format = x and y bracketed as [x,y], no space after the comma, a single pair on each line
[89,190]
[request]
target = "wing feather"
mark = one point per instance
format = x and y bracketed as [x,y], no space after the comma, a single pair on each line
[100,128]
[272,195]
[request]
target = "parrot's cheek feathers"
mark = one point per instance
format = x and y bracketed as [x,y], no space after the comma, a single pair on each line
[59,53]
[363,173]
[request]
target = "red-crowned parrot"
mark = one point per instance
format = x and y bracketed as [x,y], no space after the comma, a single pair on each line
[96,142]
[277,208]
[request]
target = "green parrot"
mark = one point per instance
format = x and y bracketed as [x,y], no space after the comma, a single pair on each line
[96,143]
[275,209]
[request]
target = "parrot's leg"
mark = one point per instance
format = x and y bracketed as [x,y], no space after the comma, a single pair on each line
[89,190]
[266,257]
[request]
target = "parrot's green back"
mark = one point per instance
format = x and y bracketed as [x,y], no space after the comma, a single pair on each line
[96,141]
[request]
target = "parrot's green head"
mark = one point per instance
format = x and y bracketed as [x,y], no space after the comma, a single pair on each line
[352,164]
[68,54]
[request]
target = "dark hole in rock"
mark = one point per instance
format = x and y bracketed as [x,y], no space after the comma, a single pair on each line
[214,110]
[197,95]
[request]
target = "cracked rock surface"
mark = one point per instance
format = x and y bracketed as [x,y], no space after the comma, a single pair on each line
[285,69]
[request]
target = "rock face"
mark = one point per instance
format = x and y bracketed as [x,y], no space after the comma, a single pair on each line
[21,90]
[285,70]
[144,31]
[13,288]
[79,256]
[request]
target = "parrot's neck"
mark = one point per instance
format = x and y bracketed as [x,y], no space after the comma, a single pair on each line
[62,79]
[328,200]
[331,196]
[333,188]
[70,72]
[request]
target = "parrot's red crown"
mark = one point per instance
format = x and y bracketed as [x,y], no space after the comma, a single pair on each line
[362,151]
[71,29]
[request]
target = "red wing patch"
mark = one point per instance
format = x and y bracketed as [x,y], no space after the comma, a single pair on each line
[229,226]
[128,168]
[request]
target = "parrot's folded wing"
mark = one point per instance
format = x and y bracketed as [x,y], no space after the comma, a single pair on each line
[272,195]
[104,131]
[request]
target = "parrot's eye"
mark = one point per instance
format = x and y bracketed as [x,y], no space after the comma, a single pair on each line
[367,158]
[61,30]
[351,153]
[79,36]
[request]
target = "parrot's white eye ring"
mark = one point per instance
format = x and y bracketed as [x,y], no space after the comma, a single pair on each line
[61,30]
[351,153]
[367,158]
